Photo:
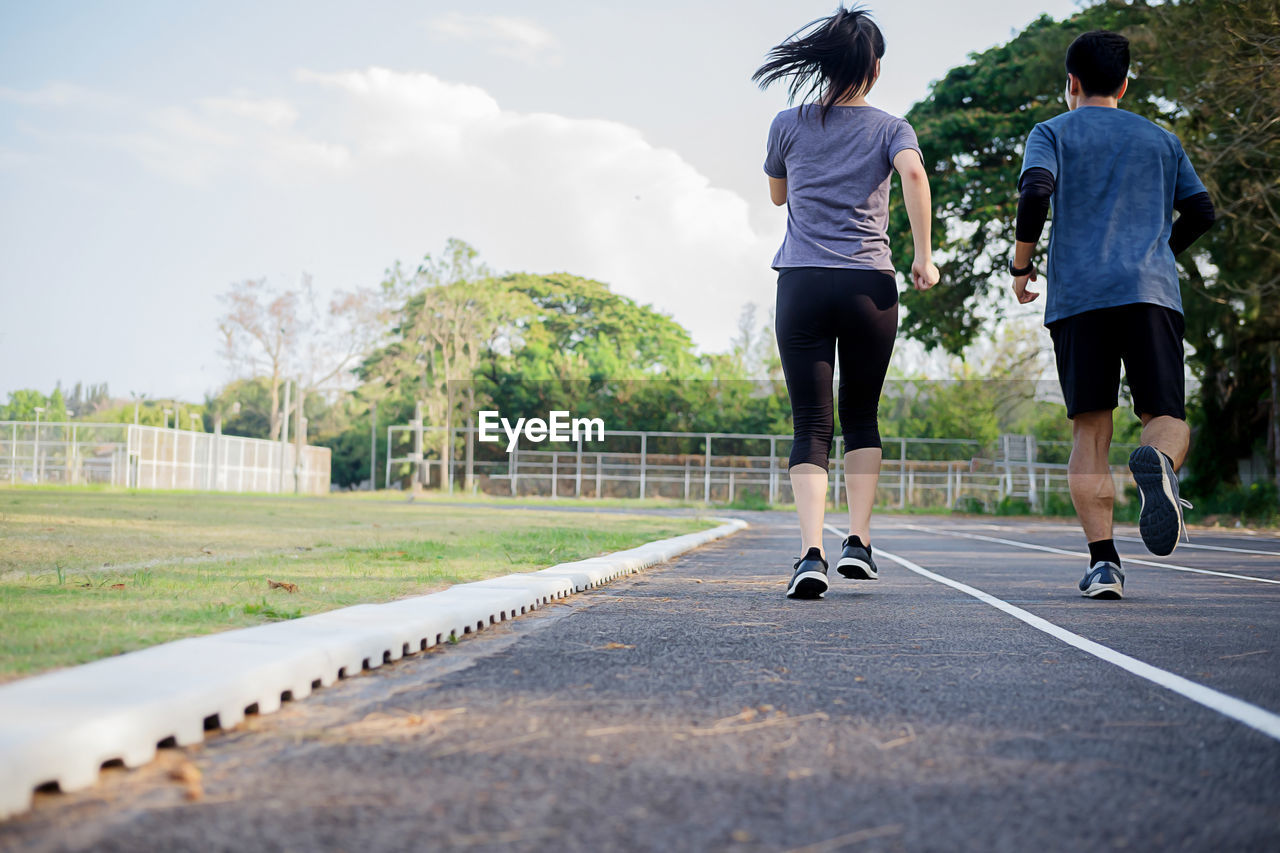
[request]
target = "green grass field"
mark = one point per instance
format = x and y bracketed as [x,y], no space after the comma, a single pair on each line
[89,573]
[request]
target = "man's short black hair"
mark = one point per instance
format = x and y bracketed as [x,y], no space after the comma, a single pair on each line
[1100,61]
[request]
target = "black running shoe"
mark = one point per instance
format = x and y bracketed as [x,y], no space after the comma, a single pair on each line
[1160,521]
[810,578]
[1103,580]
[856,563]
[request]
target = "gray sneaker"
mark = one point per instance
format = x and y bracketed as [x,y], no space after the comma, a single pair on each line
[1160,520]
[1103,580]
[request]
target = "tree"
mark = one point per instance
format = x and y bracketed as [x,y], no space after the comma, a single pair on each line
[1206,70]
[448,312]
[85,401]
[279,335]
[23,403]
[753,352]
[1217,62]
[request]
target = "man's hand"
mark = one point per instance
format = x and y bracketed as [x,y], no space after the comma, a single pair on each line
[924,274]
[1020,288]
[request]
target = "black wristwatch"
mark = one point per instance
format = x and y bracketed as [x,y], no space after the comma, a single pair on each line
[1019,271]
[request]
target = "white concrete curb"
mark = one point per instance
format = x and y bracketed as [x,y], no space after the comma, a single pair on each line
[63,726]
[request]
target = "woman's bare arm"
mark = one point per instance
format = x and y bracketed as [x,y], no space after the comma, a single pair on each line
[915,192]
[778,190]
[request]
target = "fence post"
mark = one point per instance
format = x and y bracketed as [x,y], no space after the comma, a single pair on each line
[13,456]
[1031,471]
[951,495]
[555,473]
[706,477]
[387,484]
[599,456]
[730,485]
[911,485]
[373,446]
[515,467]
[446,452]
[902,473]
[577,471]
[687,466]
[416,485]
[643,457]
[299,438]
[284,434]
[773,470]
[73,470]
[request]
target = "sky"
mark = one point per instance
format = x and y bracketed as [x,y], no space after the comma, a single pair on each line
[154,153]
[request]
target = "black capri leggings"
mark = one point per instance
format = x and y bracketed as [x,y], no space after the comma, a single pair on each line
[821,310]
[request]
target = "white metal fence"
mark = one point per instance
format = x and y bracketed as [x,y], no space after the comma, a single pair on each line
[724,467]
[147,457]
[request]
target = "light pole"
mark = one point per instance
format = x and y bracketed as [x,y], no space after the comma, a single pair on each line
[35,448]
[137,398]
[69,430]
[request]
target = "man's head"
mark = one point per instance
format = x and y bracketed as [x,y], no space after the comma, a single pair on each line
[1097,66]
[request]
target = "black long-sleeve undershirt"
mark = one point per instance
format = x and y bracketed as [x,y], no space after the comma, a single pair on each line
[1195,217]
[1035,189]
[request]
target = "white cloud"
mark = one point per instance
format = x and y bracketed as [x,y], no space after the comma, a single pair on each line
[518,38]
[387,164]
[56,94]
[542,192]
[13,159]
[271,111]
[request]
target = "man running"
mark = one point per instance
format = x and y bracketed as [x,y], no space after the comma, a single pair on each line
[1115,180]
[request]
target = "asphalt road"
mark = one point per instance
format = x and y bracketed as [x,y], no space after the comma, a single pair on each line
[695,708]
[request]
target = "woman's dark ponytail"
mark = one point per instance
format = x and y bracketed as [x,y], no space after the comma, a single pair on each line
[835,56]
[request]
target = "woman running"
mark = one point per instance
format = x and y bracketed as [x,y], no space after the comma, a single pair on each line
[829,160]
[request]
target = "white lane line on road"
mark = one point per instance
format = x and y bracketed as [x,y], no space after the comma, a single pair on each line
[1251,715]
[1213,547]
[1050,549]
[1059,528]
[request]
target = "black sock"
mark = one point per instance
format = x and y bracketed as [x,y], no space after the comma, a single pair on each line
[1104,550]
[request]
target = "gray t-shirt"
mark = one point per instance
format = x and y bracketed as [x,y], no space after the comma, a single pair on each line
[1117,176]
[837,184]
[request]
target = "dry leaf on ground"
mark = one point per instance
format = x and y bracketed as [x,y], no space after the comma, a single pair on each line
[190,777]
[285,585]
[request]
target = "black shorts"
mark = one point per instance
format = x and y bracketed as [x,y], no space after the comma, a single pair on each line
[1090,347]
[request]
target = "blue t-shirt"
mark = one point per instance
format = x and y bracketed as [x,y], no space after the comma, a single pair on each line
[1117,176]
[837,184]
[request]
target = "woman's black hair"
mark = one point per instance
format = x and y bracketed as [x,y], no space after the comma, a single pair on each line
[835,55]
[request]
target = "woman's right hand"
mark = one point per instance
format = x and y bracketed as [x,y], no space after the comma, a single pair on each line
[924,274]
